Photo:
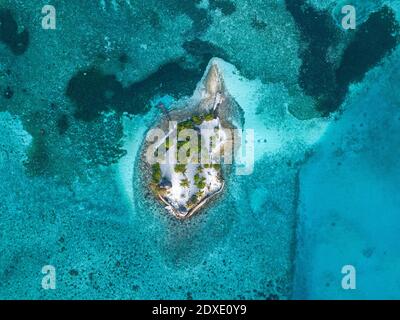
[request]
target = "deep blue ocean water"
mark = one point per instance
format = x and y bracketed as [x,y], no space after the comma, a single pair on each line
[75,106]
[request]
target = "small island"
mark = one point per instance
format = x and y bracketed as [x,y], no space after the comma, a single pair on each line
[198,137]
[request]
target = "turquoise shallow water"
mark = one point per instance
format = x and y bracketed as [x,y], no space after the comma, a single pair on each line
[352,218]
[75,106]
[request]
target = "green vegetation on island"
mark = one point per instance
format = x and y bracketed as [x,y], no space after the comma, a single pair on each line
[199,181]
[209,117]
[156,172]
[180,168]
[184,183]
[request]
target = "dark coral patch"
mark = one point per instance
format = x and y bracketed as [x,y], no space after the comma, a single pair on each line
[374,39]
[171,78]
[317,74]
[17,42]
[327,80]
[92,91]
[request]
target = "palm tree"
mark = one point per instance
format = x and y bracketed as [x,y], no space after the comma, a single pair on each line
[184,183]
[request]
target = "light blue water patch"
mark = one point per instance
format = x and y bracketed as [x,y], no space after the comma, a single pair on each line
[257,199]
[349,201]
[166,100]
